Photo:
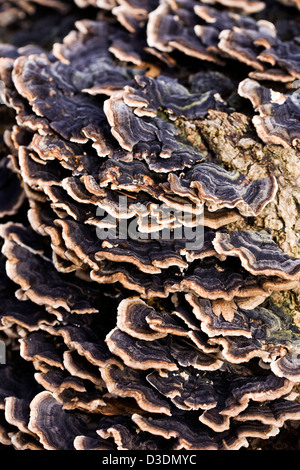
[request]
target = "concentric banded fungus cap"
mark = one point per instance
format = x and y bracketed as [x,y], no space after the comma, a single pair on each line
[278,119]
[248,6]
[242,43]
[40,349]
[132,319]
[140,354]
[215,22]
[191,436]
[269,334]
[126,382]
[60,93]
[89,47]
[170,27]
[187,436]
[126,435]
[86,342]
[34,282]
[284,55]
[275,413]
[167,93]
[154,140]
[258,253]
[47,415]
[220,188]
[185,390]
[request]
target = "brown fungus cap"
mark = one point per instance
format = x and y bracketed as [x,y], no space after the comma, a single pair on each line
[187,436]
[258,253]
[126,436]
[43,423]
[275,413]
[185,390]
[220,189]
[41,349]
[269,334]
[153,140]
[273,124]
[139,353]
[133,317]
[248,6]
[123,381]
[33,283]
[243,43]
[27,71]
[89,46]
[284,55]
[169,28]
[164,92]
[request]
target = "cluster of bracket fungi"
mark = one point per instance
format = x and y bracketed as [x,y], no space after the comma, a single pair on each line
[145,342]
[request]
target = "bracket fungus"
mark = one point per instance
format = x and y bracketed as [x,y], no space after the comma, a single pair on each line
[273,107]
[147,298]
